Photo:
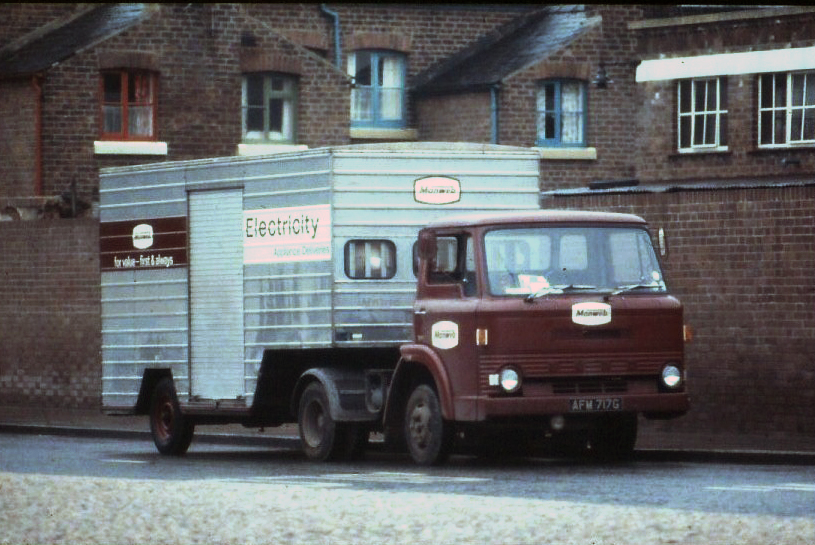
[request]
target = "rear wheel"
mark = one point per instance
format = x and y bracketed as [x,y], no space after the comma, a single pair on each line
[429,438]
[319,434]
[172,431]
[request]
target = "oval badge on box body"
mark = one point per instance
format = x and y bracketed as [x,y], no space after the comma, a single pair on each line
[437,190]
[591,313]
[142,236]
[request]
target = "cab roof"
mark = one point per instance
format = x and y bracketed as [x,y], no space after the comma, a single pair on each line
[536,216]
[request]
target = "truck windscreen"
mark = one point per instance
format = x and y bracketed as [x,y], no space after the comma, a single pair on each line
[533,261]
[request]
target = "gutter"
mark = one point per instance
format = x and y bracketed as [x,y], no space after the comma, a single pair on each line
[336,19]
[494,111]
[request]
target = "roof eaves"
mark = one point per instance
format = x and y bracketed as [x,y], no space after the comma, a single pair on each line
[41,49]
[482,44]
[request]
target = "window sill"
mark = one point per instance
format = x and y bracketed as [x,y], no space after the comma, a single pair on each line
[573,154]
[116,147]
[268,149]
[711,152]
[384,134]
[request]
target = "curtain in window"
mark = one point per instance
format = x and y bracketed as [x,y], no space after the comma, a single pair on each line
[140,120]
[390,101]
[572,117]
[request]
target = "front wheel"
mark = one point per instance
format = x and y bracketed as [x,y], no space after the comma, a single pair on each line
[429,437]
[172,431]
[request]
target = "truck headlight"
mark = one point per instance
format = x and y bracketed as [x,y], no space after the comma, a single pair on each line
[671,376]
[510,380]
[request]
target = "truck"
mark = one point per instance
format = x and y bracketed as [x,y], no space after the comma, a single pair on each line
[412,290]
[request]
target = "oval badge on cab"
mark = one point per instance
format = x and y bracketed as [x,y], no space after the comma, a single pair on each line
[591,313]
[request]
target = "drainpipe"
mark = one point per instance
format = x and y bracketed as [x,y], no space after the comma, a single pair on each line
[336,18]
[36,85]
[494,88]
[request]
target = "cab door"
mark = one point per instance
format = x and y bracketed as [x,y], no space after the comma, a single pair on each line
[445,317]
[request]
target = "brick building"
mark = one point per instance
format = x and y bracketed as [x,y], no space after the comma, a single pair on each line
[658,110]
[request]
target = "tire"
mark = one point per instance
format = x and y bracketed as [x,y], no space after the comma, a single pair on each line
[172,431]
[428,436]
[320,436]
[613,438]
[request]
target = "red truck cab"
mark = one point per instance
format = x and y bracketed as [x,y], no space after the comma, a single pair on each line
[545,323]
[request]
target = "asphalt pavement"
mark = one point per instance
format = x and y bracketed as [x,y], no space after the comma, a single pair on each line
[94,423]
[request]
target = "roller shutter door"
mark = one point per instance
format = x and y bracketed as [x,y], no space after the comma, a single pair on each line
[216,294]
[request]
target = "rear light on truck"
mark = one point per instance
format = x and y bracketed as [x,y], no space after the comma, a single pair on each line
[687,333]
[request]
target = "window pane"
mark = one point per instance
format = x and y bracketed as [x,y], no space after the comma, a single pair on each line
[362,75]
[140,120]
[780,127]
[685,131]
[810,90]
[113,119]
[390,104]
[710,129]
[574,253]
[767,127]
[798,81]
[550,91]
[278,84]
[113,87]
[685,96]
[254,90]
[361,106]
[711,95]
[780,90]
[276,115]
[796,125]
[572,128]
[254,119]
[139,89]
[809,124]
[766,90]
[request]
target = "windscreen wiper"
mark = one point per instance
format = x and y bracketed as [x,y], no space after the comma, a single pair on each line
[557,289]
[632,287]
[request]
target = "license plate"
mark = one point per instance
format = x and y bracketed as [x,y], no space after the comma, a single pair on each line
[591,405]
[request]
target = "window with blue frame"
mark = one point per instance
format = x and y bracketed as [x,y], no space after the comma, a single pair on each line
[561,109]
[378,95]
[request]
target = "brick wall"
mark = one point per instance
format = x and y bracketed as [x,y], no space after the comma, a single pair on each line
[452,118]
[657,134]
[49,301]
[741,261]
[197,51]
[18,137]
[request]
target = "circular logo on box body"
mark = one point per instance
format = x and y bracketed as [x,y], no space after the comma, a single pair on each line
[437,190]
[444,335]
[142,236]
[591,313]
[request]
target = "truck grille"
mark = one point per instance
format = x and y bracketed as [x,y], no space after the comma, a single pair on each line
[590,386]
[588,374]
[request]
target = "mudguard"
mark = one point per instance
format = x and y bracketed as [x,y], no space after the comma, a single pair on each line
[345,390]
[414,358]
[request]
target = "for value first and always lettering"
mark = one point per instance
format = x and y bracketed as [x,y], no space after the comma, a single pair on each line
[287,226]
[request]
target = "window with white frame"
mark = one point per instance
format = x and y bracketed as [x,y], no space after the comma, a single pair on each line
[128,104]
[786,108]
[702,111]
[378,95]
[561,109]
[269,102]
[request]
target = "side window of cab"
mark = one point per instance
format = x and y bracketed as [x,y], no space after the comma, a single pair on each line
[454,263]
